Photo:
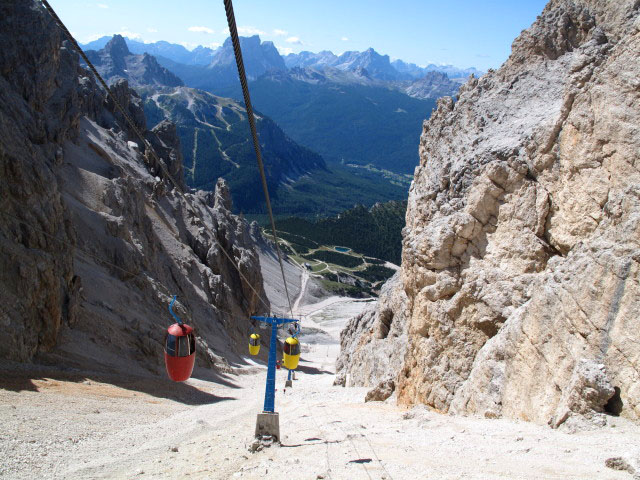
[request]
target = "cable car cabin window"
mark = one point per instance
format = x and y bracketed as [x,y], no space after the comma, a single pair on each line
[186,345]
[171,345]
[181,346]
[291,349]
[254,342]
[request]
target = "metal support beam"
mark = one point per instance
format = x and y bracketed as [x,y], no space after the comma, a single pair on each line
[270,387]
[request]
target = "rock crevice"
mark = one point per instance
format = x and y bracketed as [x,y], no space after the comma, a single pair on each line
[522,223]
[94,237]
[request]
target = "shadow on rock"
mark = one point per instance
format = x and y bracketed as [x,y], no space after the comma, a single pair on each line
[103,385]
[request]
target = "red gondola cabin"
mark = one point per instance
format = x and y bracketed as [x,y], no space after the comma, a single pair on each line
[179,352]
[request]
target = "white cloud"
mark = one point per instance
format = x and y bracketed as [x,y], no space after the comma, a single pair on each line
[284,50]
[128,34]
[152,30]
[345,39]
[91,38]
[200,29]
[249,31]
[188,45]
[280,33]
[102,5]
[213,45]
[294,40]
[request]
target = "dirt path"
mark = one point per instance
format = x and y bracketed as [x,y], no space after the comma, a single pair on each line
[71,426]
[304,278]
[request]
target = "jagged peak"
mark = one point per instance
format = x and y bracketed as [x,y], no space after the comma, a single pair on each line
[222,195]
[117,47]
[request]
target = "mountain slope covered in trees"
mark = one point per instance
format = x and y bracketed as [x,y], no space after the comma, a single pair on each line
[375,231]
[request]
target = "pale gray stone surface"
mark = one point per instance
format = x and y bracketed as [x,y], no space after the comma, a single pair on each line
[522,246]
[94,237]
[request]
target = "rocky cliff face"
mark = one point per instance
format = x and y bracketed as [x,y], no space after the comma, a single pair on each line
[94,237]
[432,85]
[521,253]
[115,61]
[259,57]
[216,143]
[373,345]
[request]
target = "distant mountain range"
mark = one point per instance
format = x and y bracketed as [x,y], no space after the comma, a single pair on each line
[347,123]
[177,53]
[358,108]
[352,109]
[115,61]
[215,142]
[261,57]
[378,66]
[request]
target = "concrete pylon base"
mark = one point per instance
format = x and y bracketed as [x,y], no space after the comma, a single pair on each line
[268,423]
[288,383]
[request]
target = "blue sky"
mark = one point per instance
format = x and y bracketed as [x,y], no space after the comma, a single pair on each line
[463,33]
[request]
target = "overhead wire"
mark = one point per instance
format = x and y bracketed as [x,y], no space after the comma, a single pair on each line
[231,20]
[148,146]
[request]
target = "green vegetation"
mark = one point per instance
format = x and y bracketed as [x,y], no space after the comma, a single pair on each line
[348,261]
[344,123]
[375,232]
[215,142]
[346,290]
[376,273]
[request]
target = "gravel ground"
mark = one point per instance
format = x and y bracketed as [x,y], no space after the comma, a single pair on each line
[60,424]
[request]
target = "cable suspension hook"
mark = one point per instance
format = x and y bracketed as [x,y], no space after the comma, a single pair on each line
[172,313]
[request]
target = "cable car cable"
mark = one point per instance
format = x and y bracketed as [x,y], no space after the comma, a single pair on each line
[146,143]
[231,20]
[323,433]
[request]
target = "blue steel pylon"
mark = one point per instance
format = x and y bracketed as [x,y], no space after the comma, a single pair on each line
[270,389]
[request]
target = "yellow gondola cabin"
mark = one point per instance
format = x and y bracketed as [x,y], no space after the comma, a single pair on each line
[254,344]
[291,352]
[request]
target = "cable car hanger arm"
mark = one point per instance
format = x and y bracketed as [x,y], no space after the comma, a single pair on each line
[275,320]
[171,311]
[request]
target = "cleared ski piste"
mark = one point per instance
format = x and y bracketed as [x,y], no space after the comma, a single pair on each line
[58,425]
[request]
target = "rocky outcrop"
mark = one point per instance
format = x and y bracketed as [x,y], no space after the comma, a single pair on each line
[432,85]
[115,62]
[521,254]
[40,106]
[166,142]
[373,343]
[94,237]
[213,131]
[259,57]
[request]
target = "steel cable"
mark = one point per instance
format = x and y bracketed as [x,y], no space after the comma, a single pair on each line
[231,20]
[148,146]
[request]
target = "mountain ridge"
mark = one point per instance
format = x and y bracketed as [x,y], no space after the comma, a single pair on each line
[396,70]
[95,238]
[115,61]
[215,142]
[519,293]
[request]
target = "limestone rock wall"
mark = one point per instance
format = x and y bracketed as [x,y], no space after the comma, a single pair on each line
[94,238]
[521,253]
[39,107]
[373,344]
